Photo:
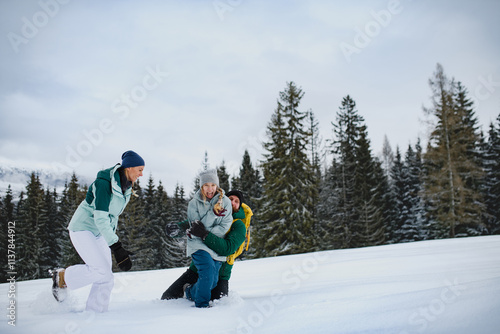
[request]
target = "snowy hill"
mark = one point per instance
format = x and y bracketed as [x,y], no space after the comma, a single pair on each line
[442,286]
[18,177]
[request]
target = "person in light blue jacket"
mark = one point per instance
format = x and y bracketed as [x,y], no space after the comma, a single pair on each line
[92,230]
[210,206]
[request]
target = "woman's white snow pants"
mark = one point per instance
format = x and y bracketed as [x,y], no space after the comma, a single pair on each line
[97,271]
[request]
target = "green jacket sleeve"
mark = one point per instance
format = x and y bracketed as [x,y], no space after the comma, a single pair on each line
[230,243]
[102,193]
[184,225]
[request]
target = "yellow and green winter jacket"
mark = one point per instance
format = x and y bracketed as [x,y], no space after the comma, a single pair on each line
[104,202]
[233,243]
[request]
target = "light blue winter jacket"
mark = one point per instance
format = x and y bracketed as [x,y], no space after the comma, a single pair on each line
[99,211]
[203,210]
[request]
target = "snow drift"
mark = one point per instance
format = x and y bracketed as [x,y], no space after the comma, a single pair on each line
[441,286]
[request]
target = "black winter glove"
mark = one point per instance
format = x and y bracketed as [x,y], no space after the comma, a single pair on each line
[121,256]
[173,230]
[198,229]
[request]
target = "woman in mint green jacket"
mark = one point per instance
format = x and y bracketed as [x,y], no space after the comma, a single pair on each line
[92,230]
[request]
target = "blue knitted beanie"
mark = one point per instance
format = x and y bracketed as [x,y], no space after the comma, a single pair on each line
[132,159]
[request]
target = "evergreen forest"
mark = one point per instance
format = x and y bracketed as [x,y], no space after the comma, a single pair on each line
[307,194]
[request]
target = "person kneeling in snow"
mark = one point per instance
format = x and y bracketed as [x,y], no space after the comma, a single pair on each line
[232,245]
[212,213]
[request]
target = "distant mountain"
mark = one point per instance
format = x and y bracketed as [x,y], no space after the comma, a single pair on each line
[18,177]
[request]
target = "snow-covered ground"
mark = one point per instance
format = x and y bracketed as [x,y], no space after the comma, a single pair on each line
[443,286]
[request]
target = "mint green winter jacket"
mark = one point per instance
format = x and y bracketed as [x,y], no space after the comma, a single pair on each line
[99,211]
[203,210]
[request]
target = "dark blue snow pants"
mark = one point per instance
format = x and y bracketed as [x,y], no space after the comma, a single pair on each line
[208,275]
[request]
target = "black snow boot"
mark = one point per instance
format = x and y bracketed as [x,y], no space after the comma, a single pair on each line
[176,290]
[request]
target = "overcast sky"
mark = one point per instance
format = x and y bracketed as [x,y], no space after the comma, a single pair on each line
[83,81]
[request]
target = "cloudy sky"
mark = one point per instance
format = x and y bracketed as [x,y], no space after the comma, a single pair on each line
[83,81]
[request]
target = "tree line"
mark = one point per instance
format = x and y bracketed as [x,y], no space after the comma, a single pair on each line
[306,195]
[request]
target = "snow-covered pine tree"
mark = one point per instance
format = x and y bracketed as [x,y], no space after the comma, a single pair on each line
[345,216]
[205,165]
[178,213]
[28,226]
[6,215]
[248,181]
[492,178]
[371,188]
[414,226]
[399,191]
[315,153]
[71,198]
[327,207]
[471,171]
[223,177]
[273,194]
[8,205]
[452,172]
[130,227]
[145,234]
[167,251]
[288,181]
[50,233]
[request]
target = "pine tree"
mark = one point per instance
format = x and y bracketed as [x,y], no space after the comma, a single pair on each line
[49,233]
[288,181]
[28,230]
[399,192]
[471,171]
[178,213]
[162,206]
[492,178]
[6,216]
[273,196]
[172,250]
[179,204]
[8,205]
[146,254]
[130,225]
[205,165]
[414,226]
[71,198]
[369,183]
[315,155]
[223,177]
[345,218]
[248,182]
[355,186]
[326,210]
[453,173]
